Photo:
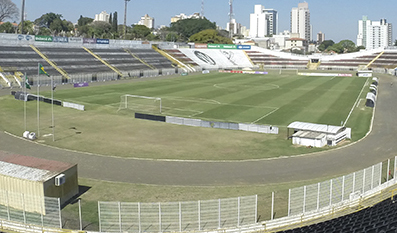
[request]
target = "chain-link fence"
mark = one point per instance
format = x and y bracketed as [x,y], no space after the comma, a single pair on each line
[30,210]
[177,216]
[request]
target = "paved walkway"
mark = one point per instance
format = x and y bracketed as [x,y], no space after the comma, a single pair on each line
[380,145]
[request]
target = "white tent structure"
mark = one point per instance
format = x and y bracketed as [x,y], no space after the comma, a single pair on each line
[317,135]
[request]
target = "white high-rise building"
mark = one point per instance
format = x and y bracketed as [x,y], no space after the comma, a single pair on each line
[263,22]
[374,34]
[300,21]
[147,21]
[103,17]
[234,26]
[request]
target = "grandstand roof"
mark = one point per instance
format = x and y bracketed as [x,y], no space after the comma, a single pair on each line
[330,129]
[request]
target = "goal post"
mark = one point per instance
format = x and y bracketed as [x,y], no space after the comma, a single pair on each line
[140,103]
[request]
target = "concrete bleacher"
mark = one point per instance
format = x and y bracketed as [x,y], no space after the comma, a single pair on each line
[177,54]
[218,58]
[78,60]
[21,57]
[381,217]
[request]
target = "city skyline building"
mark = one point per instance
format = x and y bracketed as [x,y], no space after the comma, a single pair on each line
[234,26]
[102,17]
[263,22]
[320,37]
[147,21]
[374,34]
[300,21]
[181,16]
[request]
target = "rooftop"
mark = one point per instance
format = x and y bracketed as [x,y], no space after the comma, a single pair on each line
[30,168]
[330,129]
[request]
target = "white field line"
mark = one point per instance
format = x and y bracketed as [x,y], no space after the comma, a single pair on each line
[265,116]
[219,86]
[189,99]
[358,104]
[334,77]
[355,103]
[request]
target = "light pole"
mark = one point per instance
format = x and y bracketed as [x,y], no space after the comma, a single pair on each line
[125,18]
[22,15]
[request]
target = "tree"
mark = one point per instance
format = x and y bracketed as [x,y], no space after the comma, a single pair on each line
[84,21]
[348,46]
[100,29]
[395,43]
[140,31]
[47,19]
[115,22]
[8,10]
[172,37]
[325,44]
[28,27]
[188,27]
[83,26]
[210,36]
[7,28]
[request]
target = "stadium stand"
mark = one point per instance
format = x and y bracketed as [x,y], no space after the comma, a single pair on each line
[79,61]
[218,58]
[177,54]
[21,57]
[266,60]
[381,217]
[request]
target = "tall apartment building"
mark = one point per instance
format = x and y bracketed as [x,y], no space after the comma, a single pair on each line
[374,34]
[176,18]
[263,22]
[103,17]
[147,21]
[320,37]
[234,26]
[300,21]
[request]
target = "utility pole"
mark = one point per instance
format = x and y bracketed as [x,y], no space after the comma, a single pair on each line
[22,15]
[125,18]
[202,9]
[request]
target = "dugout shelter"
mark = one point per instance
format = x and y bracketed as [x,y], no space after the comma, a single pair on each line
[317,135]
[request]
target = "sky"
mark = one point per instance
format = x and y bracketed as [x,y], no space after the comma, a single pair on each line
[338,19]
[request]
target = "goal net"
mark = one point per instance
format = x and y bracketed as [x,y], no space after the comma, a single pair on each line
[138,103]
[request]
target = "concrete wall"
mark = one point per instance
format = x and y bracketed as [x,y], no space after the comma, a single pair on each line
[67,190]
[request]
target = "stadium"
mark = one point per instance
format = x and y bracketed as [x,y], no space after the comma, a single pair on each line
[168,139]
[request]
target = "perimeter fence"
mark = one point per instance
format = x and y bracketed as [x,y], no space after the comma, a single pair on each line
[268,129]
[177,216]
[30,210]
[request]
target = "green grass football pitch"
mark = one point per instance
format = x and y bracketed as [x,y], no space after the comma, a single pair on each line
[274,99]
[260,99]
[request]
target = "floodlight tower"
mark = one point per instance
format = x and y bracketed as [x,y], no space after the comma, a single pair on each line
[231,17]
[125,17]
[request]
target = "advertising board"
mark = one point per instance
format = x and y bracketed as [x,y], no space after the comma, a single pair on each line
[102,41]
[43,38]
[222,46]
[245,47]
[89,41]
[61,39]
[76,40]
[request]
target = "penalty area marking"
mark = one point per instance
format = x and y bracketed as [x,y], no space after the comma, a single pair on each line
[266,115]
[272,86]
